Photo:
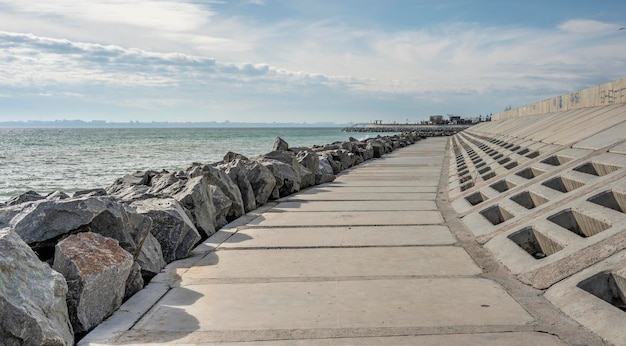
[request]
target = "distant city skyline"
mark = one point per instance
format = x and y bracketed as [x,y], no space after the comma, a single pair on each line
[295,61]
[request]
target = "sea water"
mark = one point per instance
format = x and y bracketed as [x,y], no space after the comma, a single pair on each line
[50,159]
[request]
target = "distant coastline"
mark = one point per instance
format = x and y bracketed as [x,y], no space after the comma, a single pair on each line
[156,124]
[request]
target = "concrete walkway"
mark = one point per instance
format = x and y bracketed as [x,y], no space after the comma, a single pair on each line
[374,258]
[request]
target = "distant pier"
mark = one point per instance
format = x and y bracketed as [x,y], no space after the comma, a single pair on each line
[425,130]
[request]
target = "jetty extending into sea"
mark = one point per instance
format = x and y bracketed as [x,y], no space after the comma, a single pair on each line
[511,232]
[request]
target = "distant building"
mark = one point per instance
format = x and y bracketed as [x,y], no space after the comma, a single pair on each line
[455,119]
[436,119]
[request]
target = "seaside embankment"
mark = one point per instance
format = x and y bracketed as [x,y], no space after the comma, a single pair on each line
[72,260]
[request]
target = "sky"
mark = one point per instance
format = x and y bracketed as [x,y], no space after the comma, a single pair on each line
[299,60]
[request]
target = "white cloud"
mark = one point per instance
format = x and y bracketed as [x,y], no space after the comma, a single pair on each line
[168,15]
[587,26]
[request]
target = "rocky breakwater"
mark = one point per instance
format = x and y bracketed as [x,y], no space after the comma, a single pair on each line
[68,262]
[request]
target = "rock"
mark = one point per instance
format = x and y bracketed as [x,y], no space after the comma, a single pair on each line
[336,166]
[137,178]
[261,180]
[32,297]
[325,172]
[57,196]
[29,196]
[309,159]
[42,224]
[96,282]
[196,197]
[134,282]
[221,179]
[236,170]
[230,156]
[377,147]
[150,258]
[171,226]
[287,179]
[90,193]
[222,205]
[280,144]
[343,157]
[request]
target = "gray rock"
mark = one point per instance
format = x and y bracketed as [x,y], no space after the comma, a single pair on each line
[134,282]
[343,157]
[196,197]
[90,193]
[236,170]
[42,224]
[32,297]
[219,178]
[261,180]
[280,144]
[150,258]
[309,159]
[171,226]
[29,196]
[325,172]
[287,179]
[57,196]
[222,205]
[96,282]
[230,156]
[336,166]
[137,178]
[377,147]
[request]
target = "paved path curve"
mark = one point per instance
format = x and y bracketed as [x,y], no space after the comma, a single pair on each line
[375,258]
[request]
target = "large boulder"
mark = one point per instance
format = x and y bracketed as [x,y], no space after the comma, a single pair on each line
[134,282]
[28,196]
[221,179]
[150,258]
[173,229]
[377,147]
[236,170]
[336,166]
[32,297]
[310,162]
[324,172]
[287,179]
[261,180]
[196,197]
[280,144]
[42,224]
[222,205]
[96,281]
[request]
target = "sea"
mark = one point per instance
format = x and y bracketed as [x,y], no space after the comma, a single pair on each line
[72,159]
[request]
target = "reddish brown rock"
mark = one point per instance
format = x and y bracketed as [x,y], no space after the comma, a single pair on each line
[96,269]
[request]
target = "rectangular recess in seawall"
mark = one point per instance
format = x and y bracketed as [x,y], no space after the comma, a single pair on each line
[579,223]
[597,168]
[476,198]
[529,199]
[496,214]
[604,286]
[610,199]
[502,185]
[530,172]
[563,184]
[535,243]
[556,160]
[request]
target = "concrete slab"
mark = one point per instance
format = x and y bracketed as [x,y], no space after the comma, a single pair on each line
[333,263]
[379,189]
[359,196]
[339,236]
[484,339]
[307,307]
[347,218]
[301,206]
